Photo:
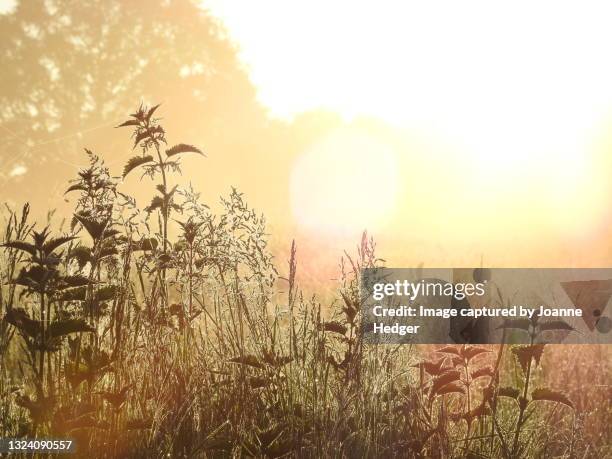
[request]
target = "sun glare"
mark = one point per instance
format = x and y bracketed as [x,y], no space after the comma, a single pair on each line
[519,91]
[346,181]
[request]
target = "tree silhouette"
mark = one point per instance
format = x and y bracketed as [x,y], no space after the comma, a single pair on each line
[72,69]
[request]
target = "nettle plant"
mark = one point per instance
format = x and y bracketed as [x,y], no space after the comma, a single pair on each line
[44,325]
[150,136]
[528,357]
[457,371]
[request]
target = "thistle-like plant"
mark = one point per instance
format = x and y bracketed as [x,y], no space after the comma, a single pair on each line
[528,357]
[150,136]
[41,277]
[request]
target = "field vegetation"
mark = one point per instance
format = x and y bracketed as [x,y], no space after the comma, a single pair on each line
[168,330]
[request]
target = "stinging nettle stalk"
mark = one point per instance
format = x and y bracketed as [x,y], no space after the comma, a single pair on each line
[150,136]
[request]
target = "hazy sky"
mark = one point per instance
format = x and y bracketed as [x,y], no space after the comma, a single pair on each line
[512,91]
[496,118]
[6,5]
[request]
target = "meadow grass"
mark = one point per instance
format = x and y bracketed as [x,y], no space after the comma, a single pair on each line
[167,331]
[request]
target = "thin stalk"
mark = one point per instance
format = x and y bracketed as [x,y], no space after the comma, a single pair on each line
[523,406]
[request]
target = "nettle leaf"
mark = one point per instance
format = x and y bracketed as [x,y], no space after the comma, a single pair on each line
[183,148]
[484,371]
[479,411]
[21,245]
[40,409]
[524,354]
[93,227]
[108,251]
[276,360]
[555,325]
[40,237]
[549,395]
[156,203]
[151,111]
[97,229]
[169,194]
[510,392]
[334,327]
[351,309]
[135,162]
[469,352]
[129,123]
[105,293]
[35,277]
[20,319]
[257,382]
[82,254]
[76,187]
[73,294]
[444,379]
[450,350]
[453,387]
[108,233]
[72,281]
[55,243]
[432,367]
[147,133]
[65,327]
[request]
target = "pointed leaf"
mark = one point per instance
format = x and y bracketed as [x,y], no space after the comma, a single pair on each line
[434,368]
[129,123]
[140,136]
[82,254]
[334,327]
[510,392]
[135,162]
[450,350]
[21,245]
[151,111]
[555,325]
[525,353]
[484,371]
[183,148]
[93,227]
[73,294]
[156,203]
[469,352]
[35,277]
[19,318]
[75,187]
[454,386]
[480,410]
[70,282]
[444,379]
[65,327]
[54,243]
[550,395]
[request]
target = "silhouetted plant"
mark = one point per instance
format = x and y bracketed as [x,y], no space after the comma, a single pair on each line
[150,136]
[184,341]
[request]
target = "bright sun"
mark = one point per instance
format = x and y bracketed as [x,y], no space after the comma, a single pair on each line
[519,92]
[346,181]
